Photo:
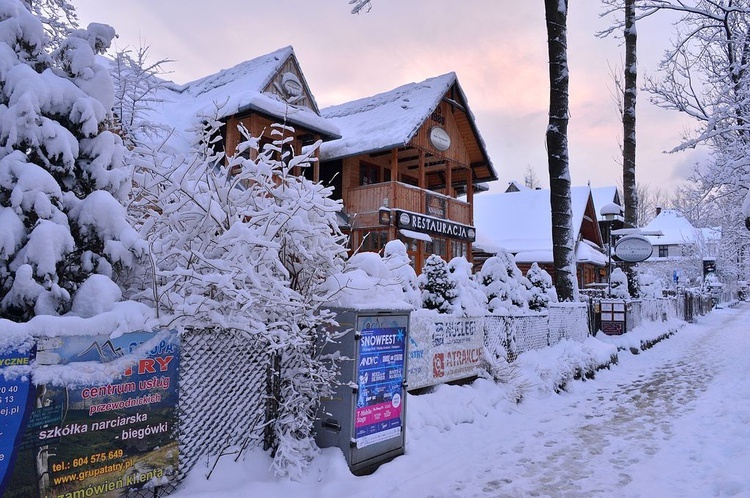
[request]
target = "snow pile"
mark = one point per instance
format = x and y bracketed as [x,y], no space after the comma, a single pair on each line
[397,261]
[369,282]
[642,337]
[649,285]
[551,369]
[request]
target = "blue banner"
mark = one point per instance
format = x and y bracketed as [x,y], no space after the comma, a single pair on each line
[16,403]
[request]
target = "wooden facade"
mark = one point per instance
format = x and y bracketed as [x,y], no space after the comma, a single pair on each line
[417,185]
[426,179]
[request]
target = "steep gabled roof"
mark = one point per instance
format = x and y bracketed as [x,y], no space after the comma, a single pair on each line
[248,86]
[678,230]
[392,119]
[520,222]
[602,196]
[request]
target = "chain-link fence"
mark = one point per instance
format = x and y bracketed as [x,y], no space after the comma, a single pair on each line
[223,394]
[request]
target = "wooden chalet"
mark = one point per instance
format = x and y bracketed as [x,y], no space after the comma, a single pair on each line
[256,94]
[404,160]
[406,163]
[519,223]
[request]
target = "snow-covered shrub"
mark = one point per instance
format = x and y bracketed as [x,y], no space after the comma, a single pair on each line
[397,261]
[437,285]
[62,175]
[470,300]
[504,285]
[542,291]
[619,284]
[649,285]
[244,244]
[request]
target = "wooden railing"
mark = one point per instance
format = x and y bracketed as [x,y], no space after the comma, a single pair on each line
[367,199]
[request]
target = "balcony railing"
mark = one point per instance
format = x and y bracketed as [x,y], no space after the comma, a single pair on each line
[366,200]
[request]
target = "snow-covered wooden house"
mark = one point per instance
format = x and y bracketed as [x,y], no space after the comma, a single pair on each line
[519,222]
[399,160]
[255,94]
[403,160]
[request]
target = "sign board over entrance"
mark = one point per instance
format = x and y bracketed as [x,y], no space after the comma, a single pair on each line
[428,224]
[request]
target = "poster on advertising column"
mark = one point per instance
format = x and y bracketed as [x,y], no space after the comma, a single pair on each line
[380,377]
[104,438]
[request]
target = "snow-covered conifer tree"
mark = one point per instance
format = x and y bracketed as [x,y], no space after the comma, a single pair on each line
[470,300]
[619,284]
[542,291]
[503,283]
[437,284]
[62,175]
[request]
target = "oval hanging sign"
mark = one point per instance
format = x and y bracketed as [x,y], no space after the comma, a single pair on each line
[633,249]
[440,139]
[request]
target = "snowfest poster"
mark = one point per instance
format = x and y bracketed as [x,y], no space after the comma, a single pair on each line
[380,384]
[94,440]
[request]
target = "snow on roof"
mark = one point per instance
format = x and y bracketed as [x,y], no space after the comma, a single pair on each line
[385,120]
[516,186]
[235,90]
[520,222]
[678,230]
[602,196]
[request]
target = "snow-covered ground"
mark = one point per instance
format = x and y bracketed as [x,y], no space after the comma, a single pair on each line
[673,421]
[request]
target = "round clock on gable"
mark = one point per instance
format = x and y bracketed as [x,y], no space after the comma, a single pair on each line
[440,139]
[291,85]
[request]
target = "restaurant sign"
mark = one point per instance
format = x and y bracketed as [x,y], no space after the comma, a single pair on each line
[429,224]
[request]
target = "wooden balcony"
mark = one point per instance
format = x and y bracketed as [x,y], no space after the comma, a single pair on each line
[362,203]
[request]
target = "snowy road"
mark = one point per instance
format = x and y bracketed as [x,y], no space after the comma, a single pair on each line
[673,421]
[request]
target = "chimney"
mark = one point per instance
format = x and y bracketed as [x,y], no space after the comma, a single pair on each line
[658,210]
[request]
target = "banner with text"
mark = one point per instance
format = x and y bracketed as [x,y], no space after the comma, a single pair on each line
[105,438]
[443,349]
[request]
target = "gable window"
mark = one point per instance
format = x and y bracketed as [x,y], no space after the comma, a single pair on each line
[663,251]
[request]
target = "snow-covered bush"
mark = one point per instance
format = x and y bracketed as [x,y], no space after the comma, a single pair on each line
[62,175]
[470,300]
[504,285]
[397,261]
[244,244]
[619,284]
[649,285]
[437,285]
[542,291]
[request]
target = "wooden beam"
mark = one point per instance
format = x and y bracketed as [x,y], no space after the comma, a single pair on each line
[422,178]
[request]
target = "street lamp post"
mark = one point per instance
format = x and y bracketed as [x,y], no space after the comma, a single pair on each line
[610,212]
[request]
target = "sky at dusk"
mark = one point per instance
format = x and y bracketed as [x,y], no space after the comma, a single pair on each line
[497,49]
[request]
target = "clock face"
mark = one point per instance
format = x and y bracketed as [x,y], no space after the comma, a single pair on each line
[291,85]
[439,138]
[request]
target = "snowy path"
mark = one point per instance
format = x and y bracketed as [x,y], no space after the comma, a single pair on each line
[639,430]
[673,421]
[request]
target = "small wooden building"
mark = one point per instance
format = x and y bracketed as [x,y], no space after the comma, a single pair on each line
[407,166]
[519,222]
